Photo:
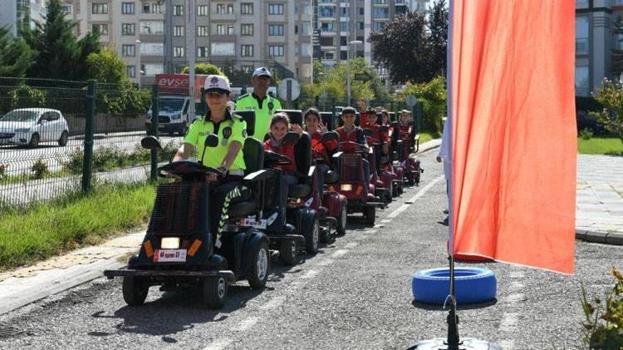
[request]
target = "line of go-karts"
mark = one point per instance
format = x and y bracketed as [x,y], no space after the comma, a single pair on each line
[267,216]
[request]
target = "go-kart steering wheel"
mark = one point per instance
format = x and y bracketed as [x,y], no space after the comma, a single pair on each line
[185,168]
[275,158]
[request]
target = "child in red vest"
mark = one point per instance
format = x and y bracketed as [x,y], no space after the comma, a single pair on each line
[279,127]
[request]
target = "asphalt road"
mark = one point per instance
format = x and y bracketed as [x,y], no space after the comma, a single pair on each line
[354,294]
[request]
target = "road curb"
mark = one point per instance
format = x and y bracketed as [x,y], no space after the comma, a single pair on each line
[613,238]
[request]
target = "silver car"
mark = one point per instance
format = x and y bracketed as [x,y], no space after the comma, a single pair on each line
[30,126]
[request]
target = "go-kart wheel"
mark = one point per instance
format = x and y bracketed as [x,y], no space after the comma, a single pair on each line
[369,214]
[134,290]
[311,232]
[261,264]
[214,291]
[342,220]
[288,252]
[387,195]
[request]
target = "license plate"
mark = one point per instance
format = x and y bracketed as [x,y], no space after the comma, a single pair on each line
[170,255]
[250,222]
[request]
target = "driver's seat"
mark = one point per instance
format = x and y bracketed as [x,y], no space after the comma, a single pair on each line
[303,154]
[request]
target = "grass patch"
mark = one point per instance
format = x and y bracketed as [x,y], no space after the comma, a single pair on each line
[45,230]
[600,145]
[427,136]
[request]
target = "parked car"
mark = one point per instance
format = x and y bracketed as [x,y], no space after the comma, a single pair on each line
[31,126]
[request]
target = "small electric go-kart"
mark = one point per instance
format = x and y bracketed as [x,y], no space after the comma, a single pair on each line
[348,161]
[406,146]
[179,249]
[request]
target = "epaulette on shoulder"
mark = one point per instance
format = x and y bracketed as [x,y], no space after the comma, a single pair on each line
[242,96]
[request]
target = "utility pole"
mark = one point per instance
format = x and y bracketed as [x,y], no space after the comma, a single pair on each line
[191,51]
[168,36]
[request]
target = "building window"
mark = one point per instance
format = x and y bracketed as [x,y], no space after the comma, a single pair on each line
[246,29]
[127,8]
[275,50]
[327,27]
[178,31]
[203,31]
[361,11]
[581,35]
[380,12]
[223,49]
[275,9]
[202,10]
[224,29]
[246,68]
[246,8]
[128,29]
[153,69]
[202,51]
[344,26]
[131,71]
[360,25]
[275,30]
[582,86]
[152,7]
[67,9]
[224,9]
[128,50]
[179,51]
[246,50]
[326,12]
[152,27]
[152,49]
[99,8]
[102,29]
[178,10]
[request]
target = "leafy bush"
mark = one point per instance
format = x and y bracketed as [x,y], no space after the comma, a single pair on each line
[3,170]
[610,95]
[40,169]
[603,329]
[586,134]
[432,96]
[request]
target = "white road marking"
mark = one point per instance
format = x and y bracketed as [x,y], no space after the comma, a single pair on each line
[420,193]
[518,274]
[351,245]
[247,323]
[369,232]
[507,344]
[219,344]
[325,262]
[310,274]
[509,322]
[385,221]
[516,286]
[514,298]
[338,253]
[273,303]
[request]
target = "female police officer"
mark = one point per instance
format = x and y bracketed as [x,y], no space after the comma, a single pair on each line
[226,156]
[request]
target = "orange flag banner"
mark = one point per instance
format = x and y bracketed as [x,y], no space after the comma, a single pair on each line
[512,115]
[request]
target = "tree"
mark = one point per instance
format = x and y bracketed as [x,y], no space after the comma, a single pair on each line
[432,97]
[106,67]
[61,54]
[204,68]
[438,37]
[412,46]
[403,47]
[610,95]
[15,55]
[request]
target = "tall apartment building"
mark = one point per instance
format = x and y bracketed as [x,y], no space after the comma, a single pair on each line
[243,34]
[14,12]
[344,26]
[595,40]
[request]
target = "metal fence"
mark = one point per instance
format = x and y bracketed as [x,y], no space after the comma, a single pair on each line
[59,137]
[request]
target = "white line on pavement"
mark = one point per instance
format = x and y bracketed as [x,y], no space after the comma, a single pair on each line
[219,344]
[273,303]
[310,274]
[420,193]
[517,274]
[514,298]
[339,253]
[507,344]
[516,286]
[350,245]
[246,324]
[325,262]
[385,221]
[509,322]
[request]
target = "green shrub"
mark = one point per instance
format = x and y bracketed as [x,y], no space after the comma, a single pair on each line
[603,329]
[432,98]
[3,170]
[40,169]
[586,134]
[610,95]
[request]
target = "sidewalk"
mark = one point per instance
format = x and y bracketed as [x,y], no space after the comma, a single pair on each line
[599,218]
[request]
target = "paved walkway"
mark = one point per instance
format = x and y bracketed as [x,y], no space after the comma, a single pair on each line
[599,213]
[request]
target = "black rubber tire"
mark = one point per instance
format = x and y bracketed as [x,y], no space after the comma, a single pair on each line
[134,290]
[342,220]
[214,292]
[288,252]
[260,269]
[410,179]
[63,140]
[34,141]
[311,232]
[369,215]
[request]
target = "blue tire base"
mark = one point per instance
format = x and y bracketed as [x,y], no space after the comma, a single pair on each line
[472,285]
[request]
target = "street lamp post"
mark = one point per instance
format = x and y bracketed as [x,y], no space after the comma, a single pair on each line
[137,71]
[353,43]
